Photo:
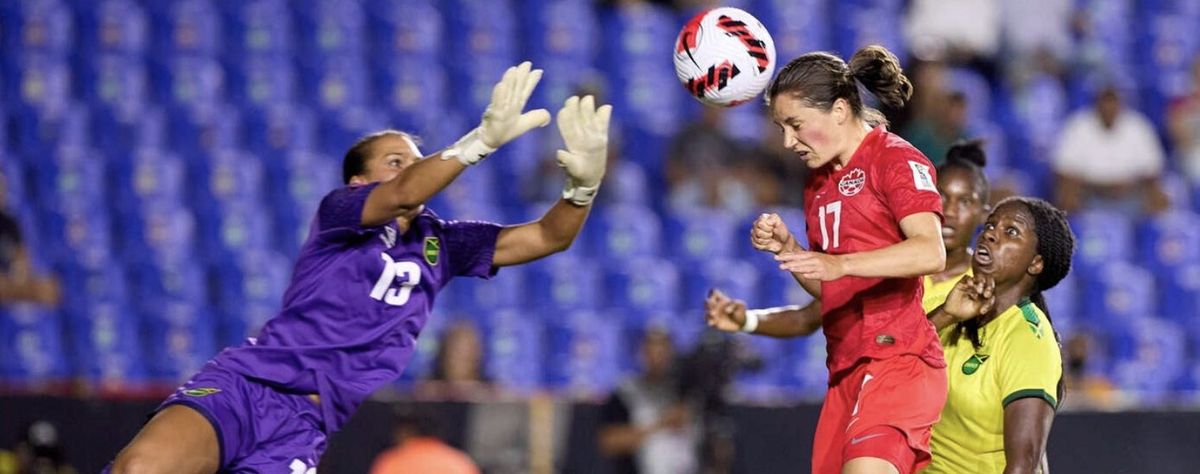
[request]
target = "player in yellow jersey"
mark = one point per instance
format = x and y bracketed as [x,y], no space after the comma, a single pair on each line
[1003,361]
[964,190]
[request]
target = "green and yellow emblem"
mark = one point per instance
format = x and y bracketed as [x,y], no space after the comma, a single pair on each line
[201,392]
[433,250]
[972,365]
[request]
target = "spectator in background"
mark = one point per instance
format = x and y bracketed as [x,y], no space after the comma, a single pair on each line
[37,452]
[700,163]
[1084,387]
[962,32]
[419,451]
[458,366]
[1108,156]
[1037,32]
[18,283]
[645,427]
[935,131]
[1183,123]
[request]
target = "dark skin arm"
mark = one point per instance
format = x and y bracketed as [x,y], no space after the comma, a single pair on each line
[1026,427]
[729,315]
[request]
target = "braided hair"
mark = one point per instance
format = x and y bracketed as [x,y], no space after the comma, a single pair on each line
[968,155]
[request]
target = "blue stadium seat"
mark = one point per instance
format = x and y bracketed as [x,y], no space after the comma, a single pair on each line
[700,234]
[513,349]
[735,277]
[191,81]
[869,22]
[337,83]
[1063,302]
[161,233]
[564,282]
[1148,358]
[107,344]
[806,374]
[1179,295]
[262,81]
[38,27]
[186,27]
[582,350]
[149,175]
[622,232]
[180,338]
[274,131]
[234,227]
[341,128]
[328,28]
[255,27]
[84,287]
[395,35]
[114,26]
[116,82]
[416,89]
[44,114]
[249,290]
[1170,240]
[304,179]
[1104,236]
[643,284]
[793,217]
[638,99]
[157,287]
[475,296]
[202,128]
[31,345]
[972,84]
[796,26]
[232,174]
[776,287]
[1118,293]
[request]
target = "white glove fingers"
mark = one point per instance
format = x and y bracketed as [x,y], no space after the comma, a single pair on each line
[587,113]
[531,82]
[603,116]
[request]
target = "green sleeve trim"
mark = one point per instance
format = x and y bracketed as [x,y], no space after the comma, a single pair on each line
[1030,393]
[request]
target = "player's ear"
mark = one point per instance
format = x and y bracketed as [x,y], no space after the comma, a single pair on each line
[1036,266]
[358,180]
[840,111]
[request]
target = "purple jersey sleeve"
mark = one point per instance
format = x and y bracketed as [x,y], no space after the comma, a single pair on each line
[340,212]
[470,246]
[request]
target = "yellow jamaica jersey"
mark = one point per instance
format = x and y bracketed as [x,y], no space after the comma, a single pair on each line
[936,293]
[1019,358]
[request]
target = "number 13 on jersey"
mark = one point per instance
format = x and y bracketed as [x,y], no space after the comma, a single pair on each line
[831,212]
[407,272]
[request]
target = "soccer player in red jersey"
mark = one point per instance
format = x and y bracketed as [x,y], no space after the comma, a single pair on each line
[874,215]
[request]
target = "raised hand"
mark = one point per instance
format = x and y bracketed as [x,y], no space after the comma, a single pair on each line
[584,129]
[971,297]
[504,119]
[770,234]
[723,313]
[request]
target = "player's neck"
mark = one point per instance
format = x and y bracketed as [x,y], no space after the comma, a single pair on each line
[856,134]
[1007,296]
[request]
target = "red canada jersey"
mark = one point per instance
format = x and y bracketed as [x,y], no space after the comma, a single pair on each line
[858,208]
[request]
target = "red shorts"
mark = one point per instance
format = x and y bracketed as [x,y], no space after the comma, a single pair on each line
[883,409]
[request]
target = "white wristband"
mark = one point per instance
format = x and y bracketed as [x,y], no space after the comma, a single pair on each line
[579,195]
[469,149]
[752,320]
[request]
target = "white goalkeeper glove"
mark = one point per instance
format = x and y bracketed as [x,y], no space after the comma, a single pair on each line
[503,120]
[584,129]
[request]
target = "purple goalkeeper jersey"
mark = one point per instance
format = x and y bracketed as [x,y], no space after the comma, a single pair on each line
[357,302]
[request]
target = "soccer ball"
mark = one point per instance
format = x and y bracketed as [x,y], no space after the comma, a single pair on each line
[724,57]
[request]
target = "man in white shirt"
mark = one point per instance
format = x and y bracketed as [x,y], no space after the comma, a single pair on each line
[1109,156]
